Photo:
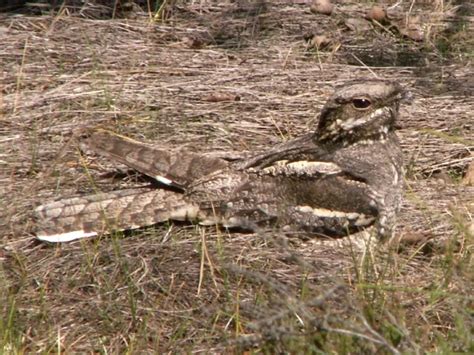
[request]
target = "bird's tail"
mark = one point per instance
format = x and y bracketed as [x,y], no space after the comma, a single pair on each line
[88,216]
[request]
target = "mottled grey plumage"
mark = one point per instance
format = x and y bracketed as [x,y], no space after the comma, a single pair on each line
[345,176]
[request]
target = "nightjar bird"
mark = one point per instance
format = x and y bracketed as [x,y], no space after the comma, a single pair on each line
[343,177]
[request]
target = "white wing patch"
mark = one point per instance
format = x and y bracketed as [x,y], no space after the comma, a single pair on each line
[302,167]
[163,180]
[359,219]
[395,175]
[186,213]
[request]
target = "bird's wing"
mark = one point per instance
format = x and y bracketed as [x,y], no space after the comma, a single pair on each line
[296,184]
[88,216]
[175,168]
[306,195]
[294,149]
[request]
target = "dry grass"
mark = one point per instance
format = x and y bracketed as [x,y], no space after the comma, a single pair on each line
[183,288]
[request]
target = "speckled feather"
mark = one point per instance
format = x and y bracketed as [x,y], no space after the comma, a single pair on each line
[341,178]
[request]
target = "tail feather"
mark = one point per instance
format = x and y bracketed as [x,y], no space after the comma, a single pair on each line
[172,167]
[88,216]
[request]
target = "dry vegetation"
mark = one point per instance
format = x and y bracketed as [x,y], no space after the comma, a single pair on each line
[160,77]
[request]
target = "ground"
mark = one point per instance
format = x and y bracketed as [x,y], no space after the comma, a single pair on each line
[233,76]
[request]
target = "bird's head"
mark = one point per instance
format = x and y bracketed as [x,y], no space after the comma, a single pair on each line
[360,112]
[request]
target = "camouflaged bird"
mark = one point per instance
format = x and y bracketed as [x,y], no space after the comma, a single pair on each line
[341,178]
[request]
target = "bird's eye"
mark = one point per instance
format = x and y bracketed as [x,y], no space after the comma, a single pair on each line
[361,103]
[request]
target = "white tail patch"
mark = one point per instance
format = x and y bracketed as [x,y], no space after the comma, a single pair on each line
[66,237]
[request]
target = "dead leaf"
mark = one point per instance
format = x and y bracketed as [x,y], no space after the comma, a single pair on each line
[412,29]
[196,40]
[300,2]
[221,96]
[319,41]
[376,13]
[324,7]
[358,24]
[468,179]
[411,238]
[442,177]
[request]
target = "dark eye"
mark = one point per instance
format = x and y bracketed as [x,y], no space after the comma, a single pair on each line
[361,104]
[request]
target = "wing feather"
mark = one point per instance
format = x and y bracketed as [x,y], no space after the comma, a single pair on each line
[175,168]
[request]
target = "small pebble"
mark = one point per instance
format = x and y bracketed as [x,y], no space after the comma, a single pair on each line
[322,7]
[377,13]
